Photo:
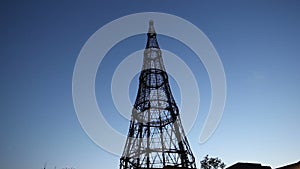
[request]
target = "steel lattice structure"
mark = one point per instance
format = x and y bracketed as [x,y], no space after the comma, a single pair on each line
[156,137]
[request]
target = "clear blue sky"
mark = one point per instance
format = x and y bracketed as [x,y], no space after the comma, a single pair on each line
[258,42]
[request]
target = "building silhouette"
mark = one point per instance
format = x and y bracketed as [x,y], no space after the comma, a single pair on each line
[240,165]
[291,166]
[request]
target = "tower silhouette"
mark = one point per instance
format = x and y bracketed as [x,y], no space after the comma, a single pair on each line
[156,137]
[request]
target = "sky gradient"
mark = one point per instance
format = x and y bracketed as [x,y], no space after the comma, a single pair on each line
[258,42]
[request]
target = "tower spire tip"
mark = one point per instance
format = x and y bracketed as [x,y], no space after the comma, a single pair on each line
[151,22]
[151,26]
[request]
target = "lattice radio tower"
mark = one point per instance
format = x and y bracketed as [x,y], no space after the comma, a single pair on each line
[156,138]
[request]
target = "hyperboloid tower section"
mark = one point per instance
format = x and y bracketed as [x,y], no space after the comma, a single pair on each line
[156,138]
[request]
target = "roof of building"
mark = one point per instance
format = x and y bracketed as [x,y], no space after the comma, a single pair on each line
[291,166]
[248,166]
